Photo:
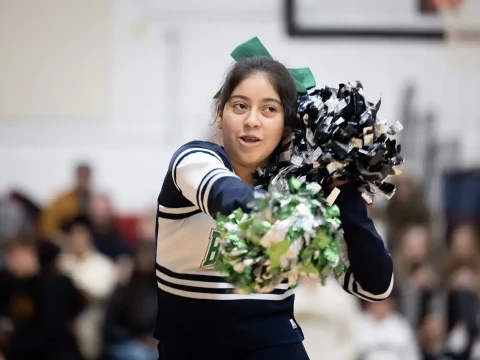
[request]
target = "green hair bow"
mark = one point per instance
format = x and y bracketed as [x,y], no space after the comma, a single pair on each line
[303,77]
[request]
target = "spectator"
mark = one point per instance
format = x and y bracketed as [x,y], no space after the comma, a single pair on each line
[326,315]
[15,220]
[106,236]
[433,337]
[384,334]
[95,275]
[67,205]
[414,274]
[131,312]
[462,279]
[39,306]
[407,208]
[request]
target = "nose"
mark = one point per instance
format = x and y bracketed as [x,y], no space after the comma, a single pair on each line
[253,119]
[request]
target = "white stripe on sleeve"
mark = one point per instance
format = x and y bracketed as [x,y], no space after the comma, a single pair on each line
[195,152]
[208,186]
[195,174]
[359,292]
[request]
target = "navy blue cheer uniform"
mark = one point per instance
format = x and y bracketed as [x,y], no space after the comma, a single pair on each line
[199,314]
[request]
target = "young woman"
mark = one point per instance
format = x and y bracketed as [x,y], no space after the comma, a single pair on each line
[199,314]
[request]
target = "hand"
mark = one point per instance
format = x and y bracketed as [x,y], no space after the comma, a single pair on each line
[337,183]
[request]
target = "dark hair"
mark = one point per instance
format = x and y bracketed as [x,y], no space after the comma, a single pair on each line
[80,220]
[19,242]
[83,168]
[278,75]
[48,253]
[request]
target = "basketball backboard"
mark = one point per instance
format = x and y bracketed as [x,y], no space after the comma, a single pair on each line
[404,19]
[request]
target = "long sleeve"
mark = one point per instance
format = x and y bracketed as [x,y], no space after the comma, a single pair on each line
[62,208]
[203,176]
[370,268]
[48,223]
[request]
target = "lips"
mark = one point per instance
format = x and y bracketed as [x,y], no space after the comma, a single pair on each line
[249,139]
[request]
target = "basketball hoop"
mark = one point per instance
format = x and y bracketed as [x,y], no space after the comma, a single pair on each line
[462,29]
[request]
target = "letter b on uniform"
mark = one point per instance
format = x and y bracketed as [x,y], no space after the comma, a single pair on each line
[213,249]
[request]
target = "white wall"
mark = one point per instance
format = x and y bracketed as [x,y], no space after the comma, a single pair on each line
[167,59]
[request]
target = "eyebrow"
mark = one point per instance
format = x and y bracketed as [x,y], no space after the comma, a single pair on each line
[243,97]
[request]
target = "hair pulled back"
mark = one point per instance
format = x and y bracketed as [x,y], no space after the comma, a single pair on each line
[277,74]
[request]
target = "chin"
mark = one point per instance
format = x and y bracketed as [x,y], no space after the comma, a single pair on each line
[253,161]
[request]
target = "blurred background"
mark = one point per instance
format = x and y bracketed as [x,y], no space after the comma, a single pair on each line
[96,95]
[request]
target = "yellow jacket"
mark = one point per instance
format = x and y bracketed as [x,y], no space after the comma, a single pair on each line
[64,207]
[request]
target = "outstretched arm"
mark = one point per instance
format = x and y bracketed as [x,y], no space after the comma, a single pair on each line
[202,177]
[370,268]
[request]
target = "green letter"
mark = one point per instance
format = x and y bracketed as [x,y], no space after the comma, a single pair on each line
[213,249]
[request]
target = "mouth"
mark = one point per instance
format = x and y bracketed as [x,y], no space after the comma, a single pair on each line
[248,139]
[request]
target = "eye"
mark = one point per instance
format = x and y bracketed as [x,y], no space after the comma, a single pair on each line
[240,106]
[271,109]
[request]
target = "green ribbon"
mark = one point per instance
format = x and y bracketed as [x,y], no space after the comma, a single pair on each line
[303,77]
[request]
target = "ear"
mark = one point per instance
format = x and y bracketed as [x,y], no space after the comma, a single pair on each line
[219,120]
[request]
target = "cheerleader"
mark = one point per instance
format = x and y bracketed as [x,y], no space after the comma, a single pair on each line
[199,314]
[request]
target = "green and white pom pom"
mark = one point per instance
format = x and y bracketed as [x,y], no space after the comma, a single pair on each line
[284,235]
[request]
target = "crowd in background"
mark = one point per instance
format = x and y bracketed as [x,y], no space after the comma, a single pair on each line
[75,285]
[72,285]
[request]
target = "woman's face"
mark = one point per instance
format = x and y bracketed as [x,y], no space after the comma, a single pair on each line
[252,122]
[463,242]
[80,242]
[100,209]
[415,244]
